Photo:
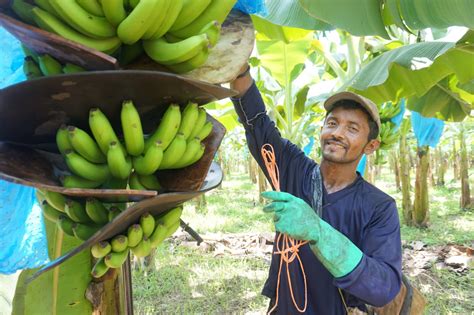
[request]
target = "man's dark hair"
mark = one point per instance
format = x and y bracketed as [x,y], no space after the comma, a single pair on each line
[349,104]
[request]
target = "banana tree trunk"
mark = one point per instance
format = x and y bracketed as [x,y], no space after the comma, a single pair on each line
[465,190]
[396,169]
[369,172]
[262,185]
[441,167]
[405,180]
[421,205]
[252,169]
[454,160]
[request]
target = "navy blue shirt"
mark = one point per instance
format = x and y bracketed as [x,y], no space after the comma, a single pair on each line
[360,211]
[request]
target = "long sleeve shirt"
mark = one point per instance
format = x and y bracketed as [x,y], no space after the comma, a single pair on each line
[360,211]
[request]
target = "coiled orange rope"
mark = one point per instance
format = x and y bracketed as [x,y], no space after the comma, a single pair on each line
[289,247]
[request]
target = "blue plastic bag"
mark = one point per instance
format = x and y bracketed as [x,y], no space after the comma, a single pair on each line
[251,6]
[23,243]
[427,131]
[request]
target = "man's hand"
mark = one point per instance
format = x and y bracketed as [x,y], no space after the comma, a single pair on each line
[242,82]
[293,216]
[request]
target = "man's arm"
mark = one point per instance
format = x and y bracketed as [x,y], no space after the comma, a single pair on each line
[259,130]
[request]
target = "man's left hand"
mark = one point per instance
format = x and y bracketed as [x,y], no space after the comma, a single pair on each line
[293,216]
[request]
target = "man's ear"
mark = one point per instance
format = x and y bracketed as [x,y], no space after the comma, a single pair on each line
[372,146]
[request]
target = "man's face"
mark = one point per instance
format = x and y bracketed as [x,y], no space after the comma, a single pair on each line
[344,135]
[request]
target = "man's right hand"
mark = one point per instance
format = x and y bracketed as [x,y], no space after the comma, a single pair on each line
[242,82]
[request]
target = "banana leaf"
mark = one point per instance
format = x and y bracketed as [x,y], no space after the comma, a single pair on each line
[271,31]
[60,291]
[358,17]
[291,13]
[398,73]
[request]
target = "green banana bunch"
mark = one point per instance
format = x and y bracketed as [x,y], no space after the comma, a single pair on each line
[102,130]
[135,183]
[115,260]
[143,248]
[114,11]
[199,124]
[149,182]
[97,211]
[205,131]
[189,117]
[24,10]
[46,6]
[77,212]
[83,144]
[217,10]
[158,17]
[129,53]
[120,166]
[389,110]
[74,181]
[191,64]
[66,225]
[31,68]
[62,139]
[49,65]
[51,23]
[54,199]
[132,129]
[167,128]
[91,6]
[388,135]
[49,212]
[174,152]
[171,14]
[193,146]
[83,231]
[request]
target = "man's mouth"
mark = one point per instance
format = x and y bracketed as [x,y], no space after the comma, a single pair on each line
[335,143]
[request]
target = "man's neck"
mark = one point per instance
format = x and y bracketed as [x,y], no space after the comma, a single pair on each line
[337,176]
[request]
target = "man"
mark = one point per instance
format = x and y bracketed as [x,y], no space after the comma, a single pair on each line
[353,255]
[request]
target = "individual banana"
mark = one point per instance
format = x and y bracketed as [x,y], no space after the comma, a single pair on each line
[196,157]
[134,182]
[119,243]
[167,53]
[77,212]
[200,121]
[83,231]
[149,182]
[74,181]
[158,17]
[49,212]
[115,183]
[115,260]
[114,11]
[99,269]
[171,15]
[31,69]
[174,152]
[120,166]
[217,10]
[113,213]
[133,3]
[134,235]
[167,128]
[81,167]
[97,211]
[65,224]
[29,53]
[92,6]
[55,199]
[39,196]
[149,163]
[147,222]
[24,10]
[62,139]
[191,64]
[213,32]
[45,5]
[192,148]
[83,144]
[171,229]
[132,129]
[71,68]
[102,130]
[189,117]
[49,65]
[132,28]
[205,131]
[143,248]
[101,249]
[158,235]
[190,11]
[50,23]
[81,20]
[170,217]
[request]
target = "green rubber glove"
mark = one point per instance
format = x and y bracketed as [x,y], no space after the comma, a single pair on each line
[295,218]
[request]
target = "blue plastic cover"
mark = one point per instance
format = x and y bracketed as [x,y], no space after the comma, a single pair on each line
[23,243]
[397,120]
[428,131]
[307,149]
[251,6]
[361,165]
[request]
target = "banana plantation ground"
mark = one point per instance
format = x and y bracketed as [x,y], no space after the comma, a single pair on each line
[225,274]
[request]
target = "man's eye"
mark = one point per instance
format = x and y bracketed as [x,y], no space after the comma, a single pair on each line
[331,123]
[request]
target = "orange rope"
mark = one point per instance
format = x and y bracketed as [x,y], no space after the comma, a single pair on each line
[290,247]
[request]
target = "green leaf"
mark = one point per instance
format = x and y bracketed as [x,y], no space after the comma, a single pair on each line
[279,58]
[61,290]
[229,121]
[300,102]
[268,31]
[358,17]
[291,13]
[422,14]
[296,71]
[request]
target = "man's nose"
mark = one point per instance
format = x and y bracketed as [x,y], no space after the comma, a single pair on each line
[338,132]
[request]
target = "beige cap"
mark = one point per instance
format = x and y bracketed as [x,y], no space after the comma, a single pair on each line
[363,101]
